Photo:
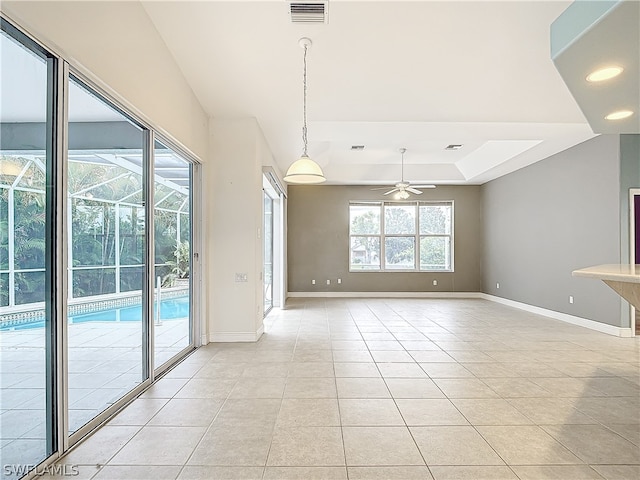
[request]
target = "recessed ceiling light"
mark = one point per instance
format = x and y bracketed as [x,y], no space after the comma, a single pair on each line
[603,74]
[357,147]
[619,115]
[453,147]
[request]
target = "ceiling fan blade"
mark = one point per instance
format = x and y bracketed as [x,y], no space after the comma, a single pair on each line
[423,186]
[413,190]
[391,191]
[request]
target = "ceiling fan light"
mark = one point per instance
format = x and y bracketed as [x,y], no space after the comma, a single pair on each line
[304,171]
[402,195]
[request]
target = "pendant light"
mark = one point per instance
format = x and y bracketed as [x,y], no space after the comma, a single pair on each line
[304,170]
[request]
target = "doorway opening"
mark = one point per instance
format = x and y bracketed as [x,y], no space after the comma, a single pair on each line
[273,246]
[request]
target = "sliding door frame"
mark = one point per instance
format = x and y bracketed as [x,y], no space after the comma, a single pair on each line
[195,242]
[54,192]
[148,332]
[60,242]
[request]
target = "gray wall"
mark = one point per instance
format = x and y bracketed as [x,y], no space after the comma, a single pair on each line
[318,242]
[555,216]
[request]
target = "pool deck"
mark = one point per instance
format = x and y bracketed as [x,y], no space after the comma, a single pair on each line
[104,364]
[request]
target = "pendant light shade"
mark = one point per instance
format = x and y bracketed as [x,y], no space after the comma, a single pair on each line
[304,170]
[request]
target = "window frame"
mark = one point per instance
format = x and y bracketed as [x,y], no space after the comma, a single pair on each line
[416,236]
[378,235]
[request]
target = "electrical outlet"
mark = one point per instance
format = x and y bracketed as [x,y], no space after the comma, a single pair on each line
[328,282]
[242,277]
[497,285]
[570,298]
[435,282]
[339,280]
[313,282]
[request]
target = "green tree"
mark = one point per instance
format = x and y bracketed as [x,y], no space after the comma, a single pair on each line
[399,219]
[432,252]
[180,265]
[400,251]
[435,219]
[366,223]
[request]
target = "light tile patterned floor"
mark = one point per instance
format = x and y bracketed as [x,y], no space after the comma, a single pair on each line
[387,389]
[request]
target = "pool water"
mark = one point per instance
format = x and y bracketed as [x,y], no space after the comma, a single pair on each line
[170,309]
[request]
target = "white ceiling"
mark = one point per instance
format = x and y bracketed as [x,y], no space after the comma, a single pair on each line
[384,74]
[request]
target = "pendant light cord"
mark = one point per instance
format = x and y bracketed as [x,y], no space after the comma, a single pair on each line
[304,103]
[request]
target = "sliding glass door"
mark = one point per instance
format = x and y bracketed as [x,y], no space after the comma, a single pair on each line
[96,251]
[106,229]
[172,239]
[28,432]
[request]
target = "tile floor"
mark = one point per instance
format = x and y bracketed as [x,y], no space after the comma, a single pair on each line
[386,389]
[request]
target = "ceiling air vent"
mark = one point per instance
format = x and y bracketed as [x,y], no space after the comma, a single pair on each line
[308,12]
[357,147]
[453,146]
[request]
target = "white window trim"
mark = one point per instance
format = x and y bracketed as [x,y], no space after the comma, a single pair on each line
[416,236]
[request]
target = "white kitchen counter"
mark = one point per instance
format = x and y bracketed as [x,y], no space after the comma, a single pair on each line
[624,279]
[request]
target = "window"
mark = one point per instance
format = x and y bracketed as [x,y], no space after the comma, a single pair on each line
[401,236]
[365,230]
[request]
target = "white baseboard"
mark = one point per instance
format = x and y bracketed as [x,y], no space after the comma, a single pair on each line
[234,337]
[384,295]
[563,317]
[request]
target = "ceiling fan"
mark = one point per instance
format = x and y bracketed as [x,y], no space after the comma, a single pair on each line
[404,188]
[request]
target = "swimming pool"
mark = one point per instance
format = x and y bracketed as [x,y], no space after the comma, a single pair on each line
[170,309]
